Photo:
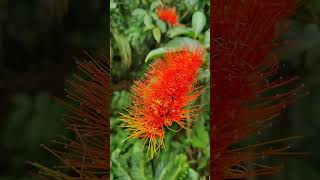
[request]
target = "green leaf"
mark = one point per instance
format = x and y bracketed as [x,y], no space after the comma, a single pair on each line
[193,175]
[173,46]
[117,167]
[177,31]
[180,42]
[119,100]
[207,38]
[198,22]
[156,34]
[200,139]
[154,5]
[156,53]
[140,167]
[177,168]
[113,5]
[148,21]
[138,12]
[162,25]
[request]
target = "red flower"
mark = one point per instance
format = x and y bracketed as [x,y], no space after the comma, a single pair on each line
[168,15]
[163,96]
[243,68]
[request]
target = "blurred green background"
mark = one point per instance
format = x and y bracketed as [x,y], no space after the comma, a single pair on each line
[40,38]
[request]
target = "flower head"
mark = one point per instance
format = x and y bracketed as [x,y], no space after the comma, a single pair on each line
[168,15]
[163,97]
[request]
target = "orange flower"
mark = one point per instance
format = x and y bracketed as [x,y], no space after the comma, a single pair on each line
[163,97]
[243,82]
[168,15]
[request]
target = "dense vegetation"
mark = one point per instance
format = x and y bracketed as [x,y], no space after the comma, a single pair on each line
[138,38]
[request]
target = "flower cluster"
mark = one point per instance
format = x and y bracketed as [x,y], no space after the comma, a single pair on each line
[168,15]
[164,96]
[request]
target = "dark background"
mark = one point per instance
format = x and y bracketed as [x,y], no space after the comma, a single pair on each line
[39,41]
[300,57]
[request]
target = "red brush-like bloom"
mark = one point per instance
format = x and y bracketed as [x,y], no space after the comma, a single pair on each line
[244,70]
[168,15]
[163,96]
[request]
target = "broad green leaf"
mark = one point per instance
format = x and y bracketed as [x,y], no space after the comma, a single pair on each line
[177,31]
[177,168]
[161,25]
[198,22]
[156,34]
[172,46]
[140,167]
[148,21]
[156,53]
[120,99]
[154,5]
[138,12]
[117,167]
[200,139]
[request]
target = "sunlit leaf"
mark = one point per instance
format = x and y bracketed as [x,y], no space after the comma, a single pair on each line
[162,25]
[177,31]
[198,22]
[148,21]
[156,53]
[156,34]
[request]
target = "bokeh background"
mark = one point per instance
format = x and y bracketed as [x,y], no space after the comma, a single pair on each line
[39,41]
[40,38]
[300,57]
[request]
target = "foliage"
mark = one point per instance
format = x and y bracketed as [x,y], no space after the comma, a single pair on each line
[186,154]
[141,30]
